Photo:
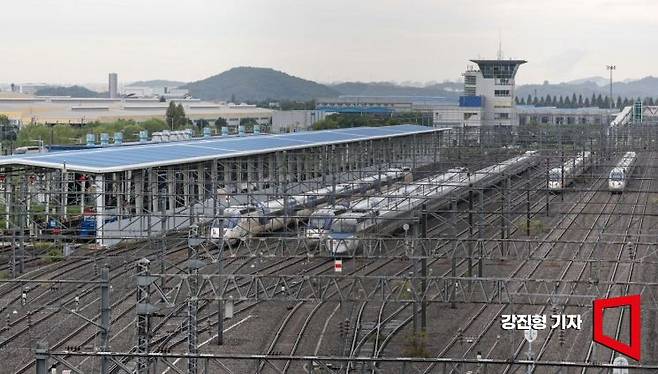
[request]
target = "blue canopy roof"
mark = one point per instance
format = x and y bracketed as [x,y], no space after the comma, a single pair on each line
[111,159]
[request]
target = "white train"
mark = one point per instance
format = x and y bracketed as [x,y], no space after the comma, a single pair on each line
[340,229]
[620,174]
[561,177]
[241,222]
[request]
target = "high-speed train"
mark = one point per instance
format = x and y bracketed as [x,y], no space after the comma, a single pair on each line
[561,177]
[619,175]
[240,222]
[340,229]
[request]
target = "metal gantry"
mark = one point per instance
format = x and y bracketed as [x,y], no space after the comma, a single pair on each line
[510,245]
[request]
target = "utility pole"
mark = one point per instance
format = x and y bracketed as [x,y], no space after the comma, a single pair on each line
[194,264]
[481,226]
[192,308]
[144,310]
[611,68]
[453,262]
[220,302]
[423,268]
[42,357]
[105,316]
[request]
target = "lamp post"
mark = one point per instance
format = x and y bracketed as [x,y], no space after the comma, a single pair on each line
[610,68]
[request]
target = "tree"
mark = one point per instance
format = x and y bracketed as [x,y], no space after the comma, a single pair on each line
[171,114]
[587,104]
[627,102]
[619,102]
[326,124]
[175,116]
[220,122]
[529,99]
[567,102]
[580,101]
[574,101]
[181,119]
[547,101]
[7,132]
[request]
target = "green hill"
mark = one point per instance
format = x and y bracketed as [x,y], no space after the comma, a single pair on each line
[73,91]
[257,84]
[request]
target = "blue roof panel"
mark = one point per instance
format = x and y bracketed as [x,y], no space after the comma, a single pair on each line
[110,159]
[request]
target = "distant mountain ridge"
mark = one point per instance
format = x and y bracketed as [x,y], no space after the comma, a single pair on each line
[599,81]
[262,84]
[257,84]
[73,91]
[645,87]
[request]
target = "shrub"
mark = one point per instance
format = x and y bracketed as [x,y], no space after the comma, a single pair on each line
[55,255]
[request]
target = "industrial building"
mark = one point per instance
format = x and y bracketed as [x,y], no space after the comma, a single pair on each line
[70,110]
[528,114]
[381,104]
[166,92]
[295,120]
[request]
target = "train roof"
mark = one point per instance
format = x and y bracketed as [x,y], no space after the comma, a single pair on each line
[112,159]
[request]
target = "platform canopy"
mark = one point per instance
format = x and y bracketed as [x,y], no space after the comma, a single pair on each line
[117,158]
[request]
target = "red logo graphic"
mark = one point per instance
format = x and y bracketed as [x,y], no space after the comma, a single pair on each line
[633,350]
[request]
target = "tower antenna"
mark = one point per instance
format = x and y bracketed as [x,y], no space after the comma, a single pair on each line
[500,46]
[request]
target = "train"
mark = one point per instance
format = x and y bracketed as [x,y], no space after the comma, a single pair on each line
[241,222]
[619,175]
[340,229]
[561,177]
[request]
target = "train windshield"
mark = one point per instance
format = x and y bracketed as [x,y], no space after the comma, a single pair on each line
[231,222]
[320,222]
[555,176]
[346,226]
[616,176]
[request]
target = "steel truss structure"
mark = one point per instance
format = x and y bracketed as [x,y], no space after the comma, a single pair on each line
[168,299]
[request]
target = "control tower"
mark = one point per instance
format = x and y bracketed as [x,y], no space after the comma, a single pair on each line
[493,82]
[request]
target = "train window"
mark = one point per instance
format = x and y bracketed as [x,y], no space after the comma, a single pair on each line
[347,226]
[617,176]
[320,222]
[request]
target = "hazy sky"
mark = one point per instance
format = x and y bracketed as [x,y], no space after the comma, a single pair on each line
[69,41]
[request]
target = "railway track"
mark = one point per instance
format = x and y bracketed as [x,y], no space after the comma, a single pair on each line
[489,313]
[563,275]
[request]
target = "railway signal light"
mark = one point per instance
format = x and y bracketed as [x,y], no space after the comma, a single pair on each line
[338,266]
